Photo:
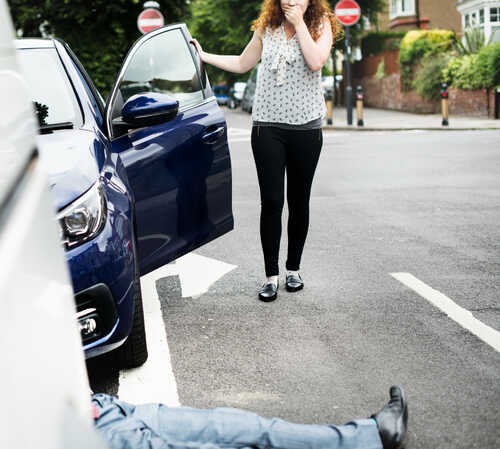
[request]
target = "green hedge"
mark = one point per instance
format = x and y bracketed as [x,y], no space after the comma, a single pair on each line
[379,41]
[475,71]
[417,45]
[428,79]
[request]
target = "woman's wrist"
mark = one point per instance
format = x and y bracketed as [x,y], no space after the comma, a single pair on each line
[301,26]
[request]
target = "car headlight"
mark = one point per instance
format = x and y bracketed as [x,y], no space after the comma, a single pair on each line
[83,219]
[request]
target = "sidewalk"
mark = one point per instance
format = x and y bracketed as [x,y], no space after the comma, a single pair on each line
[381,119]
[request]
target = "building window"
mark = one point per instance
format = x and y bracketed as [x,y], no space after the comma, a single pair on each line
[481,16]
[400,8]
[467,21]
[495,33]
[494,14]
[473,19]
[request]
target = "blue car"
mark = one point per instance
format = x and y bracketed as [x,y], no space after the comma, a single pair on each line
[137,181]
[221,94]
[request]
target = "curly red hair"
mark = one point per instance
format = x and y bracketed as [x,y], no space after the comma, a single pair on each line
[271,15]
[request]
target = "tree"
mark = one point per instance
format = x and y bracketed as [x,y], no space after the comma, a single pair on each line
[100,32]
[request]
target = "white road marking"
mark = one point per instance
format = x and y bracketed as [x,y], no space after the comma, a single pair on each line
[198,273]
[239,139]
[155,380]
[462,316]
[238,132]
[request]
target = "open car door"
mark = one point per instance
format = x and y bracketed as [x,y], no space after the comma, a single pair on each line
[171,136]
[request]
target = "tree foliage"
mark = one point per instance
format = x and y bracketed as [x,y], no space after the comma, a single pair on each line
[100,32]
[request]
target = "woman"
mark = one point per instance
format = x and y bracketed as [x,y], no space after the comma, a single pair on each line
[293,38]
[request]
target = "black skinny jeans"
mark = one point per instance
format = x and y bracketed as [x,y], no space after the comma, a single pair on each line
[296,151]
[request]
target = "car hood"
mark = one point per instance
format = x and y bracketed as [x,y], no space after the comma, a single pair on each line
[69,159]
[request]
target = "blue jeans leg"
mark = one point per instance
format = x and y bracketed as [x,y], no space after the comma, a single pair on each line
[185,427]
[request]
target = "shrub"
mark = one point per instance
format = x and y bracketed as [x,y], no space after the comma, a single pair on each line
[488,65]
[379,41]
[420,44]
[428,79]
[380,70]
[475,71]
[461,72]
[474,41]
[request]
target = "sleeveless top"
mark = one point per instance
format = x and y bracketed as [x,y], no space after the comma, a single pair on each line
[287,91]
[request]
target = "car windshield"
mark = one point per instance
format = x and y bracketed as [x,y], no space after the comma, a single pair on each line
[51,92]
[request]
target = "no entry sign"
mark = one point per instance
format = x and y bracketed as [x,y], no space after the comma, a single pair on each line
[348,12]
[150,19]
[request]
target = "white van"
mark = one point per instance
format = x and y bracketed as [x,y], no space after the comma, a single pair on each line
[45,393]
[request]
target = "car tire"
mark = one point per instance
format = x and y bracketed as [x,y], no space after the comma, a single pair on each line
[134,352]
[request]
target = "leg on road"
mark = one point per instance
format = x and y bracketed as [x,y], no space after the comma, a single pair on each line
[302,158]
[156,426]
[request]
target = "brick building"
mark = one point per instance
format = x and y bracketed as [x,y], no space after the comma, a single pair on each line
[402,15]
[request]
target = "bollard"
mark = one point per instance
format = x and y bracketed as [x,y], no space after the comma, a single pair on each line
[444,104]
[329,106]
[359,105]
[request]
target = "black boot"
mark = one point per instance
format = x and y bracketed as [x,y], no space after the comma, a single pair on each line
[392,420]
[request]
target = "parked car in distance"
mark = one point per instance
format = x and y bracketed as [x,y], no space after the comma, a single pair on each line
[327,82]
[249,93]
[136,182]
[221,94]
[236,94]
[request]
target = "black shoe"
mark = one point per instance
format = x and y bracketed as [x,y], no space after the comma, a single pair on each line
[392,420]
[294,283]
[268,292]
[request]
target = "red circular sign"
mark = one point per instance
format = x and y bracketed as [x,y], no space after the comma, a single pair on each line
[149,20]
[348,12]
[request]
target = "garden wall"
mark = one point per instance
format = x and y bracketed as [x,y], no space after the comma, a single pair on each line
[473,103]
[386,93]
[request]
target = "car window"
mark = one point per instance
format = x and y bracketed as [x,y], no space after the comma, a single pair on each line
[163,64]
[51,91]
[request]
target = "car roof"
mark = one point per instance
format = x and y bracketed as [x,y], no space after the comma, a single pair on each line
[30,42]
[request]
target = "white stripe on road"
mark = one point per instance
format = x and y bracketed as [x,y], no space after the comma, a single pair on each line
[238,132]
[154,381]
[462,316]
[239,139]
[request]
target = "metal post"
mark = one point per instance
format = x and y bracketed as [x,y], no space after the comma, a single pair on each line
[348,89]
[335,93]
[329,106]
[359,105]
[444,104]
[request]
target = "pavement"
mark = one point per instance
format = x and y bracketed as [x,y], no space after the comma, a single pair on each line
[389,120]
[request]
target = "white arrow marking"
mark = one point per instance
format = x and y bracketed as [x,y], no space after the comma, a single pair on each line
[462,316]
[155,381]
[198,273]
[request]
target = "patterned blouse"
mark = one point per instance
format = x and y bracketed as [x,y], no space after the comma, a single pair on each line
[287,91]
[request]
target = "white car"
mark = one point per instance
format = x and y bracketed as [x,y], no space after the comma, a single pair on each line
[45,391]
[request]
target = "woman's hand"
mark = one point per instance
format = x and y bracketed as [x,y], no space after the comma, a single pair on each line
[198,49]
[294,15]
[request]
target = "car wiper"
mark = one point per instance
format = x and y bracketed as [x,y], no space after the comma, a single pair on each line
[45,129]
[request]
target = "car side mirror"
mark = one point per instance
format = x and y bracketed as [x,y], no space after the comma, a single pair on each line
[147,108]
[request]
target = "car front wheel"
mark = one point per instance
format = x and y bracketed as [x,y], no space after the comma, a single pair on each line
[134,351]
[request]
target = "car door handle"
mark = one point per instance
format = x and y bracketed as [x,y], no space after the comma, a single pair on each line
[213,134]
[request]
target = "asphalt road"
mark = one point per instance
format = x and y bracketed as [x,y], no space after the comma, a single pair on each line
[423,203]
